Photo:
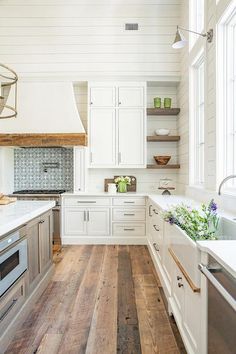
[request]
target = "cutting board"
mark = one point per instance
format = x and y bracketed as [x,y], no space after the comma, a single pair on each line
[7,200]
[131,188]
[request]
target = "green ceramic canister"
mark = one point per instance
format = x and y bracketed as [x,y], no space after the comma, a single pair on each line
[167,102]
[157,102]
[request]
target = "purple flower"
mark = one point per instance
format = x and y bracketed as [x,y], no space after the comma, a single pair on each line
[212,206]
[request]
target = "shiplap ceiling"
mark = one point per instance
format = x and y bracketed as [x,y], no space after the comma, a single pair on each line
[84,39]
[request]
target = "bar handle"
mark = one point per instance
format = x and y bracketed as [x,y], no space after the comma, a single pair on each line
[224,293]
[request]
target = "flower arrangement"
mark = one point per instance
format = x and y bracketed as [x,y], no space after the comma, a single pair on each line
[199,224]
[122,183]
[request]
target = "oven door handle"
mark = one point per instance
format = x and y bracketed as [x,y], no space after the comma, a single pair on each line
[224,293]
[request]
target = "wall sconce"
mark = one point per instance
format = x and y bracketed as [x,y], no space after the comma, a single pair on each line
[8,91]
[180,40]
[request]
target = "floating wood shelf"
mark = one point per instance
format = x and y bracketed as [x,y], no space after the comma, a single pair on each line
[43,140]
[164,167]
[163,111]
[159,138]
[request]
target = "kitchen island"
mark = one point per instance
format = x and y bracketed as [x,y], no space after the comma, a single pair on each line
[26,229]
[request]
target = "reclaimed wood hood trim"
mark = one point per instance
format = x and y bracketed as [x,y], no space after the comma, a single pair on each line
[43,140]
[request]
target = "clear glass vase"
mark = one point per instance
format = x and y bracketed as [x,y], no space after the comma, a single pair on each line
[122,187]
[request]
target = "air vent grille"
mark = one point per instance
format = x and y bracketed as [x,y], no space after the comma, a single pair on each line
[131,26]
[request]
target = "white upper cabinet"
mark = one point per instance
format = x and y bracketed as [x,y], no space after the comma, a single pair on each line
[131,97]
[117,125]
[102,137]
[101,96]
[131,137]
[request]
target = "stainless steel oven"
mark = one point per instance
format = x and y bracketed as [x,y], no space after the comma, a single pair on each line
[13,258]
[221,308]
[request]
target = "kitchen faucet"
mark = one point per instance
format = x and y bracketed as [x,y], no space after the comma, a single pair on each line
[223,182]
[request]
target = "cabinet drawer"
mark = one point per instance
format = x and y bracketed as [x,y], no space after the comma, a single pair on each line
[128,229]
[129,201]
[86,201]
[129,214]
[11,302]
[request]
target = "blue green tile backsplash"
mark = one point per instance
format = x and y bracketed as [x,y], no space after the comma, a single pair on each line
[30,172]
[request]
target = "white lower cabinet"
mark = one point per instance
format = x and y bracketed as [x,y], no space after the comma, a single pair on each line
[75,222]
[86,222]
[184,301]
[98,222]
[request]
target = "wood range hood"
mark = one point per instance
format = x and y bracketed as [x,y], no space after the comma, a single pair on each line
[47,117]
[43,140]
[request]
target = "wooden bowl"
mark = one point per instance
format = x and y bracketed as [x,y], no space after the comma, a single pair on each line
[162,160]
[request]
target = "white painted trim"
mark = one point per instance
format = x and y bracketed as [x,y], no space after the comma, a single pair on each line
[106,240]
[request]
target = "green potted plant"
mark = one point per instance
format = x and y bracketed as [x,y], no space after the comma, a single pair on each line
[122,183]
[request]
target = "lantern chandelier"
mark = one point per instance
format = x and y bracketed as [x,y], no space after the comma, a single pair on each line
[8,92]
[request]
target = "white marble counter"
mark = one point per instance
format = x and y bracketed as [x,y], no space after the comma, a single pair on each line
[16,214]
[223,251]
[104,194]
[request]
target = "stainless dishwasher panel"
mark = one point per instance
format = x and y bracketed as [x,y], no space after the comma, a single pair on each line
[221,308]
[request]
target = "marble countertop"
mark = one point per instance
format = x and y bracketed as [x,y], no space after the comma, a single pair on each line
[223,251]
[16,214]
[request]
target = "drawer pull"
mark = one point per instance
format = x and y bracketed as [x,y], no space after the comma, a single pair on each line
[155,227]
[180,285]
[127,202]
[41,221]
[128,229]
[86,201]
[129,214]
[178,277]
[156,247]
[14,301]
[156,212]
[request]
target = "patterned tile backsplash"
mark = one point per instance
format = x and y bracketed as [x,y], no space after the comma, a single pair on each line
[29,168]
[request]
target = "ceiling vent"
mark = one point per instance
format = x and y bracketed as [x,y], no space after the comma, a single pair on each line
[131,26]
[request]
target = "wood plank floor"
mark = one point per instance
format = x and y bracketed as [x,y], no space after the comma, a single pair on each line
[102,300]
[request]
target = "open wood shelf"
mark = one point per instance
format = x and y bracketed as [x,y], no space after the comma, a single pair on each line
[163,111]
[164,167]
[159,138]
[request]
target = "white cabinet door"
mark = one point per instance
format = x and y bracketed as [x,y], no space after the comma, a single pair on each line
[102,96]
[167,265]
[98,222]
[75,221]
[102,134]
[192,317]
[177,290]
[131,138]
[131,96]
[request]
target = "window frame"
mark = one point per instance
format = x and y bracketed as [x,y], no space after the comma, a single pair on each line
[194,15]
[197,121]
[226,99]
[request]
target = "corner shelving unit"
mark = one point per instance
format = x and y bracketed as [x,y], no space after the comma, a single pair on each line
[162,138]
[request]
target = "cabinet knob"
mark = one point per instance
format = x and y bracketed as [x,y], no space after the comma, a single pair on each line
[42,221]
[119,103]
[91,102]
[180,285]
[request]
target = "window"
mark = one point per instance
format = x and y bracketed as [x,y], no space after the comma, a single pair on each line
[226,98]
[197,123]
[196,19]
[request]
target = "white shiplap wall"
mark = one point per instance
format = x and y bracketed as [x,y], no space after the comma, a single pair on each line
[81,39]
[183,102]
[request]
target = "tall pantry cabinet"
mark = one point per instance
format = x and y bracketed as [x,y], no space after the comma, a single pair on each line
[117,124]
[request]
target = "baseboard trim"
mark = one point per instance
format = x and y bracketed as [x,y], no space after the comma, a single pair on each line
[107,240]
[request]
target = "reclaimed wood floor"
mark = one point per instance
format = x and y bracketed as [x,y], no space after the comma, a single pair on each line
[102,300]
